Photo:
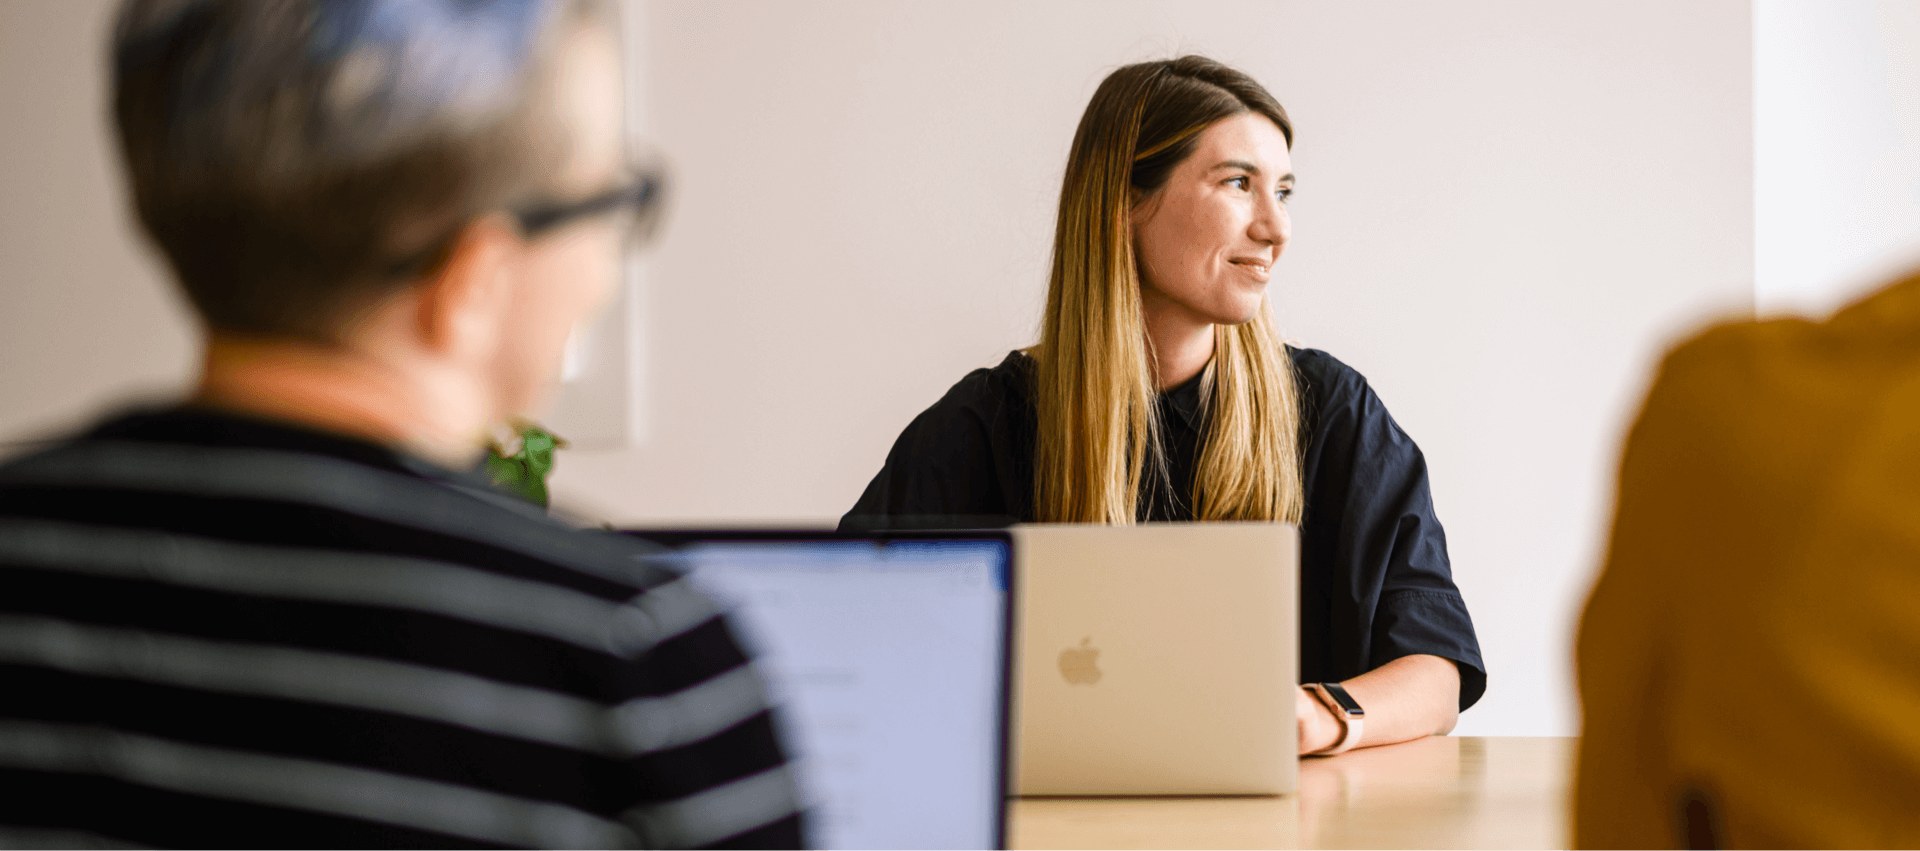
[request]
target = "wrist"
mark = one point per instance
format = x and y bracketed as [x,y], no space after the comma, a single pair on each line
[1323,727]
[1348,716]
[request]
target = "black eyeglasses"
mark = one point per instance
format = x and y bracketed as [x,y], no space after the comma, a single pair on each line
[639,198]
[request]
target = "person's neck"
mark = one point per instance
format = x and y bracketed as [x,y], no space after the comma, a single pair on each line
[340,390]
[1181,345]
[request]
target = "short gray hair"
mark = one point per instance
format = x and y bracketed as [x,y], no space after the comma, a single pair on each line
[287,155]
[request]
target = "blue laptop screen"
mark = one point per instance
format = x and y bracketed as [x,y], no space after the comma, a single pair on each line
[886,663]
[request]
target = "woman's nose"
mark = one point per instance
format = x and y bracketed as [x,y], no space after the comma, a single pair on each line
[1271,222]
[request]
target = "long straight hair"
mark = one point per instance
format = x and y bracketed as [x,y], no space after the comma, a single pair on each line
[1098,438]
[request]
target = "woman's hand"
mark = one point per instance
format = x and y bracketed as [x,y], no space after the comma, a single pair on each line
[1319,729]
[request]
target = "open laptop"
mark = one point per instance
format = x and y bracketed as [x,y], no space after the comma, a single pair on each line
[887,661]
[1157,659]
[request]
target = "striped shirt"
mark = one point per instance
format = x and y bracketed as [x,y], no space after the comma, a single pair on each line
[217,632]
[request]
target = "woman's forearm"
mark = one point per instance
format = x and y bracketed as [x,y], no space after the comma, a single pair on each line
[1407,698]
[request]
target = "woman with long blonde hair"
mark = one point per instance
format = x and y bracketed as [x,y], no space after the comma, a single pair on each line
[1159,390]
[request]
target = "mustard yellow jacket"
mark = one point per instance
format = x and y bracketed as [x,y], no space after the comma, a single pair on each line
[1749,661]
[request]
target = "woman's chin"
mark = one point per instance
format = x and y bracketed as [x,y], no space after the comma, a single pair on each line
[1238,314]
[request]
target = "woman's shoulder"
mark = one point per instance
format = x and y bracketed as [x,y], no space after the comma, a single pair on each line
[1339,407]
[988,406]
[954,462]
[1326,379]
[990,390]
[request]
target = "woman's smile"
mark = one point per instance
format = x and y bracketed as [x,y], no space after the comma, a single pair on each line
[1258,268]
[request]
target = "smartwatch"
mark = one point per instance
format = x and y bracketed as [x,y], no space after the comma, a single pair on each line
[1334,696]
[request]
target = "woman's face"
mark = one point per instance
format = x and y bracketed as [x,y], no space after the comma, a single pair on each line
[1206,242]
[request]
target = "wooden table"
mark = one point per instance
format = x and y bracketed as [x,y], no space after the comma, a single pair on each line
[1439,792]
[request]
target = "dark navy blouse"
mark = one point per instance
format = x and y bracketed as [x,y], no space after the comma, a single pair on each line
[1375,583]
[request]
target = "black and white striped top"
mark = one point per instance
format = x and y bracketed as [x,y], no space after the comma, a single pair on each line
[220,632]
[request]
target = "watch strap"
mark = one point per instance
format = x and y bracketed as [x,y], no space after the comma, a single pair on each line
[1352,721]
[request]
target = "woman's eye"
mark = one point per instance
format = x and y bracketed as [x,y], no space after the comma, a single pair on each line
[1283,193]
[1240,183]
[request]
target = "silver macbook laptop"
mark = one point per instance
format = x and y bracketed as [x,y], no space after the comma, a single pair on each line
[886,660]
[1157,659]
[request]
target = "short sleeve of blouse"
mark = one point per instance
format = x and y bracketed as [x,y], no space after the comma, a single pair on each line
[1376,583]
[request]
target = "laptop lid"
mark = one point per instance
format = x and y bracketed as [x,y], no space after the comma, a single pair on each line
[1157,659]
[887,660]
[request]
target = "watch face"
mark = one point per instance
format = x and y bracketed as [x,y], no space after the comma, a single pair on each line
[1346,701]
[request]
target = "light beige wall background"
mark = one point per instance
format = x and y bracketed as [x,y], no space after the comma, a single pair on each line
[86,318]
[1506,209]
[1836,172]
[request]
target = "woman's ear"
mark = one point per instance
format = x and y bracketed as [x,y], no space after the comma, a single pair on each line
[465,304]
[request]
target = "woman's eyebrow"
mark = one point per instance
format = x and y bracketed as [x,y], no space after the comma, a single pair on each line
[1242,165]
[1248,167]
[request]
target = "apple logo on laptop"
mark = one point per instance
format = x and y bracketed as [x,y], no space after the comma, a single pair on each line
[1077,663]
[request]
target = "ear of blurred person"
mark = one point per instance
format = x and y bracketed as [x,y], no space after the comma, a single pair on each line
[1749,660]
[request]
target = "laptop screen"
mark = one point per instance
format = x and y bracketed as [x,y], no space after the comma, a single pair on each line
[887,664]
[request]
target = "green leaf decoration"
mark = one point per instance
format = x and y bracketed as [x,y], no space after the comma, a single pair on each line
[537,447]
[523,473]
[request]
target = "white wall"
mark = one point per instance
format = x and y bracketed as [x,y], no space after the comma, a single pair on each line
[1506,209]
[87,319]
[1836,109]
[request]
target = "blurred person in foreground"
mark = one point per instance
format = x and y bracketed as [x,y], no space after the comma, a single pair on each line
[280,614]
[1749,662]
